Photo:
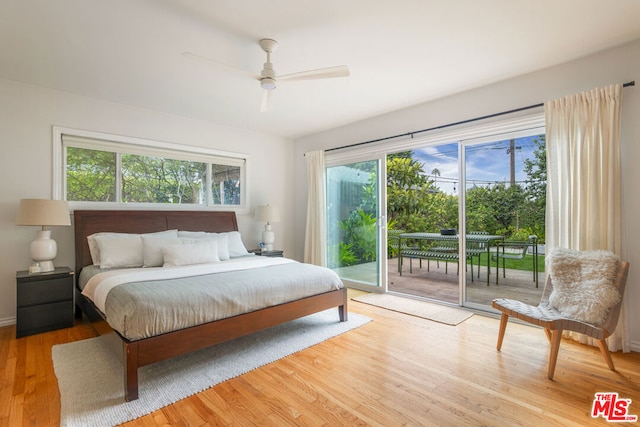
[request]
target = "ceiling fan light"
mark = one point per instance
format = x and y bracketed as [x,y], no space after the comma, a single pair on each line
[268,83]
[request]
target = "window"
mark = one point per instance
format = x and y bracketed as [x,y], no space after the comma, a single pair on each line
[106,169]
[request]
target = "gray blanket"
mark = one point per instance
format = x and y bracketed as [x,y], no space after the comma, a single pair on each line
[144,309]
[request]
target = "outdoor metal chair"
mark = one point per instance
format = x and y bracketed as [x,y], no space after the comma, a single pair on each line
[516,250]
[554,322]
[476,249]
[393,243]
[393,240]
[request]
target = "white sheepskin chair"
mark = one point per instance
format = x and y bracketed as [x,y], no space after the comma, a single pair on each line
[583,293]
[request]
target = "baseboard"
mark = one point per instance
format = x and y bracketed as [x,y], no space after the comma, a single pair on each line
[7,321]
[634,346]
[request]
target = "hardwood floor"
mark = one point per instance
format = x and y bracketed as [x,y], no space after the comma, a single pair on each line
[396,370]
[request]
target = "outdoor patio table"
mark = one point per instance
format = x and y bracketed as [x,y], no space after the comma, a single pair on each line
[482,242]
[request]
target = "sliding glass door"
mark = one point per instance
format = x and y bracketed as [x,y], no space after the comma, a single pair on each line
[354,223]
[456,217]
[505,201]
[423,222]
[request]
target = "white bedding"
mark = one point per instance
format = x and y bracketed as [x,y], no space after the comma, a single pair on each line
[99,286]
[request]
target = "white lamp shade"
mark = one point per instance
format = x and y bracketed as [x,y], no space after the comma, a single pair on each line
[43,212]
[267,214]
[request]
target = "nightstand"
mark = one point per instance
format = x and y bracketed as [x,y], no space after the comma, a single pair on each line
[45,301]
[272,254]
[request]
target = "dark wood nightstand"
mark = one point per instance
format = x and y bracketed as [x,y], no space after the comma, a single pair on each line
[272,254]
[45,301]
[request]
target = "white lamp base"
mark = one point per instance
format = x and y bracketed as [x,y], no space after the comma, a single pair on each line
[268,237]
[46,266]
[44,250]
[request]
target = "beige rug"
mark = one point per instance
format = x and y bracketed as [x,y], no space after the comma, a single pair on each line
[90,375]
[436,312]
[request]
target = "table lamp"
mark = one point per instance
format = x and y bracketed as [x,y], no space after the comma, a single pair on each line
[43,212]
[267,214]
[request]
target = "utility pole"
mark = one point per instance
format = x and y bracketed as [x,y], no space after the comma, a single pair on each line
[511,151]
[512,157]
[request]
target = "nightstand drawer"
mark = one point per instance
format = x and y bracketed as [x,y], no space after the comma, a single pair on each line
[40,292]
[45,301]
[41,318]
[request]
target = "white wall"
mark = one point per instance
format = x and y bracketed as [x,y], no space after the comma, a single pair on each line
[27,114]
[619,65]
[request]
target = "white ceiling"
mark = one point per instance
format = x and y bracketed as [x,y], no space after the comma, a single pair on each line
[400,52]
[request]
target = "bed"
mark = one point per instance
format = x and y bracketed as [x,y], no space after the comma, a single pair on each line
[150,349]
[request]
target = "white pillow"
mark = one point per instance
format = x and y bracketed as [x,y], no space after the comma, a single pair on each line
[152,249]
[95,251]
[236,247]
[193,234]
[222,238]
[201,252]
[120,251]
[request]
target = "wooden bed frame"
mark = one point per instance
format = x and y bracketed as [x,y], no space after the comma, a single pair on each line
[154,349]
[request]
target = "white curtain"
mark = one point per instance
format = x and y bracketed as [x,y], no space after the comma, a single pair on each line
[315,236]
[583,185]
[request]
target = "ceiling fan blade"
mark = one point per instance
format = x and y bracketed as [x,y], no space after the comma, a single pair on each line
[321,73]
[205,60]
[265,104]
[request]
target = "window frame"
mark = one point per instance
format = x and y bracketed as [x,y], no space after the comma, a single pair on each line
[63,137]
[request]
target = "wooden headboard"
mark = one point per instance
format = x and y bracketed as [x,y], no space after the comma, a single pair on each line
[88,222]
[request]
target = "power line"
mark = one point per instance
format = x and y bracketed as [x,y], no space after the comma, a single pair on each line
[498,145]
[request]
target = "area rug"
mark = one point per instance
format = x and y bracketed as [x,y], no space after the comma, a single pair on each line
[90,375]
[436,312]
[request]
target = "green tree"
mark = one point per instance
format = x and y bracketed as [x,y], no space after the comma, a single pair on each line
[158,180]
[435,172]
[414,203]
[536,188]
[479,213]
[497,209]
[91,175]
[505,203]
[361,235]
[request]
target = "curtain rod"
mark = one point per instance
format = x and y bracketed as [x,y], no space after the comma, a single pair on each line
[462,122]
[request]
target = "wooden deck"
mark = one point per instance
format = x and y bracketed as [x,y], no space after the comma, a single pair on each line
[435,282]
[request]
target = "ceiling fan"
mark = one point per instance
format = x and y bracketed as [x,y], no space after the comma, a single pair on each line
[269,79]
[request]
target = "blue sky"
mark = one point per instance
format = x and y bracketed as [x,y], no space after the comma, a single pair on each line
[487,163]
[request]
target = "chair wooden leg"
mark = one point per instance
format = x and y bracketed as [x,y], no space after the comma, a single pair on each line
[556,336]
[504,319]
[604,349]
[547,332]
